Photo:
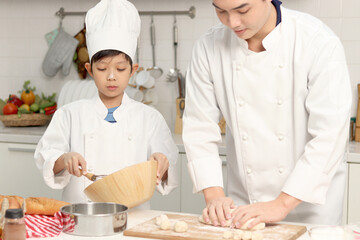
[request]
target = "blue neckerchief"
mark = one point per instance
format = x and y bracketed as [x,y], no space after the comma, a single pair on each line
[109,117]
[277,4]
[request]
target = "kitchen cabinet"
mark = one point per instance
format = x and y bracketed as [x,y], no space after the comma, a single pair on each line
[352,198]
[19,174]
[182,199]
[353,206]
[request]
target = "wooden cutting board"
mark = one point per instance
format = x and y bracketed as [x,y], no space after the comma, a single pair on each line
[199,231]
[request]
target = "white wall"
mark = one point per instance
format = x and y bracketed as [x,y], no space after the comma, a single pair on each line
[24,23]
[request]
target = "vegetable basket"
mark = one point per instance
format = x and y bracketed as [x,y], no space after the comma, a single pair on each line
[33,119]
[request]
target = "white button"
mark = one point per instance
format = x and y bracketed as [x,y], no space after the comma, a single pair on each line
[281,65]
[90,169]
[241,103]
[129,138]
[280,137]
[248,171]
[254,201]
[238,67]
[281,170]
[244,138]
[280,102]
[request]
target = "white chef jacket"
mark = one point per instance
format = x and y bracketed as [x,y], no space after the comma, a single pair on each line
[287,111]
[80,127]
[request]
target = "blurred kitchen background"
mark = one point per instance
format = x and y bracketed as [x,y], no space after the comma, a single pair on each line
[24,23]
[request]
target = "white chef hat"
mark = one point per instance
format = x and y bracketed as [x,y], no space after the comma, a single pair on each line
[112,24]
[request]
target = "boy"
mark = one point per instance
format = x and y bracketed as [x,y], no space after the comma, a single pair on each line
[111,131]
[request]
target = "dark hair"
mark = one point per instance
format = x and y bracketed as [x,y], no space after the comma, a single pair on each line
[110,53]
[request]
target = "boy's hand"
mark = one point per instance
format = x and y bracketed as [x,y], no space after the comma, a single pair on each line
[72,161]
[163,165]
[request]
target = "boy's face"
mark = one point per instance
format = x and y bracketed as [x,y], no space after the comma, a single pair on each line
[245,17]
[111,75]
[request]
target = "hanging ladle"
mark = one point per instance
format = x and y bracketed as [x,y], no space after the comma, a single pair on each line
[173,74]
[155,71]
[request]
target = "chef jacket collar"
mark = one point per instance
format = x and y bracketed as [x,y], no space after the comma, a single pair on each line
[271,41]
[102,110]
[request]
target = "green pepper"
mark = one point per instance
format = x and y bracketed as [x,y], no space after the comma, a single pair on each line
[48,104]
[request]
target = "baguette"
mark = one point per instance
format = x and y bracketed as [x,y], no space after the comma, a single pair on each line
[35,205]
[43,205]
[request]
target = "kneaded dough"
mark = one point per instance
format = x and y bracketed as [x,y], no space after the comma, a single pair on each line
[165,224]
[259,226]
[160,219]
[238,234]
[227,235]
[247,235]
[257,236]
[180,227]
[237,237]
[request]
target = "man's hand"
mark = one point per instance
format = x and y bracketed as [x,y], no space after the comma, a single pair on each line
[71,162]
[267,212]
[163,166]
[217,206]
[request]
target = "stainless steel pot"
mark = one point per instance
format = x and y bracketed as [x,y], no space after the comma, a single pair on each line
[94,219]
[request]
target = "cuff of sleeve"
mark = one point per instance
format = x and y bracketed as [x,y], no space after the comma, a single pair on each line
[307,184]
[60,180]
[170,184]
[205,178]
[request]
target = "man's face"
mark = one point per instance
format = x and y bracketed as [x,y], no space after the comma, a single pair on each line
[245,17]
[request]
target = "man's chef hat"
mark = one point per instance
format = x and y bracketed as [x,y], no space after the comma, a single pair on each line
[112,24]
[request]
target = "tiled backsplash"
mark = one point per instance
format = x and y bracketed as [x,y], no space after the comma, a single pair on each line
[24,23]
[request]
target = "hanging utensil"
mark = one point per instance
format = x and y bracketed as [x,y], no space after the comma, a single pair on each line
[173,74]
[155,71]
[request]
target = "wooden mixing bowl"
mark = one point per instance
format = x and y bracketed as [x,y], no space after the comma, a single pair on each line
[130,186]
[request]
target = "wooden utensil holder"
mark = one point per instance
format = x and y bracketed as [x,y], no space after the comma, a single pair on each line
[179,114]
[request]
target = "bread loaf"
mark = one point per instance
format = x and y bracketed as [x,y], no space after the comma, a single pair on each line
[35,205]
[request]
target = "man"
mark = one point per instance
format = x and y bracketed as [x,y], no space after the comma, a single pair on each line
[280,79]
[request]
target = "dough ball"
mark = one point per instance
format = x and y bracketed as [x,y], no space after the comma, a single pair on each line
[259,226]
[180,227]
[160,219]
[165,225]
[247,235]
[227,235]
[257,236]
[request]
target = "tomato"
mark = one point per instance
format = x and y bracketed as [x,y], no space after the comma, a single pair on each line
[15,100]
[28,97]
[10,108]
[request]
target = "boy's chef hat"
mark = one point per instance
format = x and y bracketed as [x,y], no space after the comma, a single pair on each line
[112,24]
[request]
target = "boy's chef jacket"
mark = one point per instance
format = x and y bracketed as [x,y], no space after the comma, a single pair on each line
[287,114]
[107,147]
